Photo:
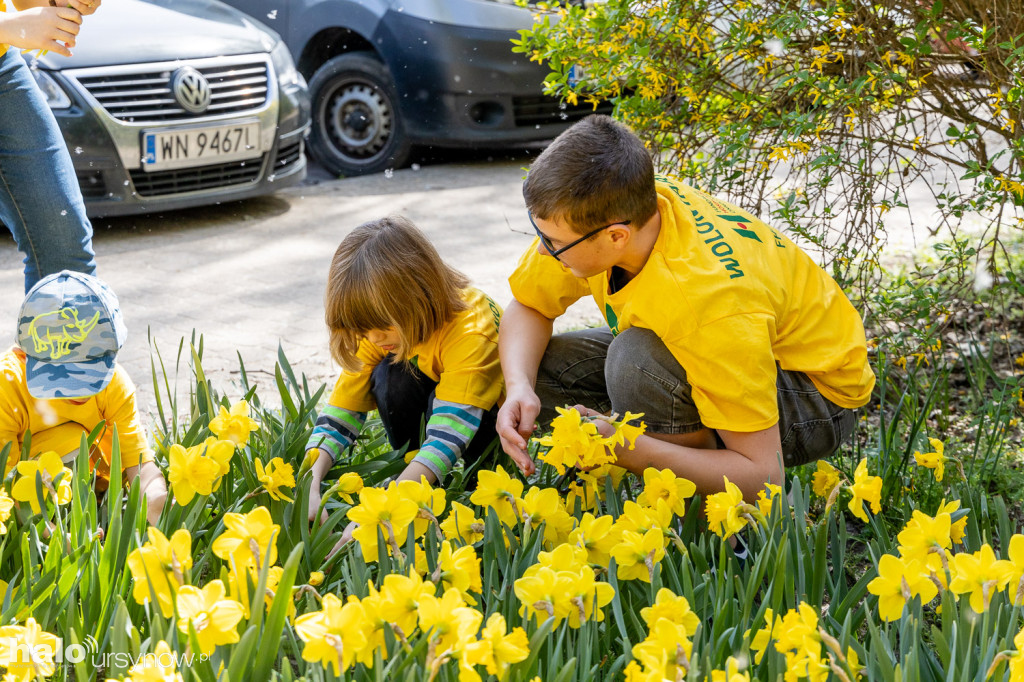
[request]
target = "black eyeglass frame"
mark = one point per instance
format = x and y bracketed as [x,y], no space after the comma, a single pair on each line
[556,252]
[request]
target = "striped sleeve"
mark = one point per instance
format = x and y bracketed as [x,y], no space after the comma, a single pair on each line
[449,430]
[336,428]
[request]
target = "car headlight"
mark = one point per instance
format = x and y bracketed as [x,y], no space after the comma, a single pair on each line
[284,65]
[55,95]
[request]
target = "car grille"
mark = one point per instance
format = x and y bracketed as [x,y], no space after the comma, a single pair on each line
[142,93]
[91,184]
[544,109]
[161,183]
[286,156]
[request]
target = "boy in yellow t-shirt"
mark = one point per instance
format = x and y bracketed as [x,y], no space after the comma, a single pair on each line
[61,381]
[735,345]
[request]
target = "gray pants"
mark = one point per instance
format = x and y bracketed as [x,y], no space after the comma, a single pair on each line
[634,371]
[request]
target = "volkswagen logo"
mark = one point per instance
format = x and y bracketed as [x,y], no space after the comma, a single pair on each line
[191,90]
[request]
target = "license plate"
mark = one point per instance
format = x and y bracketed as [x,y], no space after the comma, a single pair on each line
[182,148]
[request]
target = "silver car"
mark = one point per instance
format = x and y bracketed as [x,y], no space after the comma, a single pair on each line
[174,103]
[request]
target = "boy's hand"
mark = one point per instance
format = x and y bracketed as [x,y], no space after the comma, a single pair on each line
[42,28]
[515,425]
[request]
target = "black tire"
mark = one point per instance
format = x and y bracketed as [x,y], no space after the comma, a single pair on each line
[357,128]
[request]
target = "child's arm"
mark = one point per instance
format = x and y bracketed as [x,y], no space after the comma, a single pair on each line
[449,430]
[151,481]
[41,28]
[336,428]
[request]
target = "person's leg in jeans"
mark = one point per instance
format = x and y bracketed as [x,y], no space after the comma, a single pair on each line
[572,371]
[40,201]
[643,376]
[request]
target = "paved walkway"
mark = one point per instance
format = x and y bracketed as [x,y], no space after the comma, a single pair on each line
[250,275]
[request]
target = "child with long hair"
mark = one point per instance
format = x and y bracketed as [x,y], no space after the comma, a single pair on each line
[416,343]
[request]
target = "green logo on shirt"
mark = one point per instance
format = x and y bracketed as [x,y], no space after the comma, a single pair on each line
[612,318]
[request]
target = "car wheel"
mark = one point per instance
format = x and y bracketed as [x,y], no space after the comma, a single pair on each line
[356,124]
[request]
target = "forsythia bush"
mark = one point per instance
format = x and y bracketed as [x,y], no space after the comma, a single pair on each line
[583,572]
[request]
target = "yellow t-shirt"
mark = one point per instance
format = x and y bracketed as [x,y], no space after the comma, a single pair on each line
[730,297]
[462,357]
[58,424]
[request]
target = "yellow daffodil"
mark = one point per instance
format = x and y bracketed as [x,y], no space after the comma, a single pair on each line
[625,432]
[207,611]
[158,568]
[642,519]
[159,665]
[335,634]
[498,491]
[981,575]
[220,451]
[725,510]
[384,511]
[459,569]
[798,630]
[55,479]
[189,473]
[636,555]
[574,442]
[766,498]
[597,535]
[448,622]
[959,527]
[586,595]
[665,485]
[6,504]
[541,595]
[674,608]
[899,580]
[933,460]
[543,505]
[234,425]
[927,540]
[430,503]
[348,484]
[731,673]
[249,541]
[824,480]
[316,578]
[497,648]
[400,598]
[865,488]
[765,636]
[463,525]
[275,476]
[667,649]
[27,651]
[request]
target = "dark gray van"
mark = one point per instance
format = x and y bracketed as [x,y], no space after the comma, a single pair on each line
[385,75]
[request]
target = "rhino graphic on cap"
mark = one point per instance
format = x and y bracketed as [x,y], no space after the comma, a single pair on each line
[71,331]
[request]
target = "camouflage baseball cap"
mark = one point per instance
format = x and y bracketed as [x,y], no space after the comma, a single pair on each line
[70,328]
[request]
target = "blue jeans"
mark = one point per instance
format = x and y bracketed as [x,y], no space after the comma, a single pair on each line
[40,202]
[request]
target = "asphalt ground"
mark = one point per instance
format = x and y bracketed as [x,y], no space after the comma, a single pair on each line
[249,276]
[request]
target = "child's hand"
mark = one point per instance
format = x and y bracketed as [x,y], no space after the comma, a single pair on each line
[156,497]
[42,28]
[515,425]
[346,537]
[314,503]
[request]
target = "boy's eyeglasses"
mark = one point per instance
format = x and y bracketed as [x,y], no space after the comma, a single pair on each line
[556,252]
